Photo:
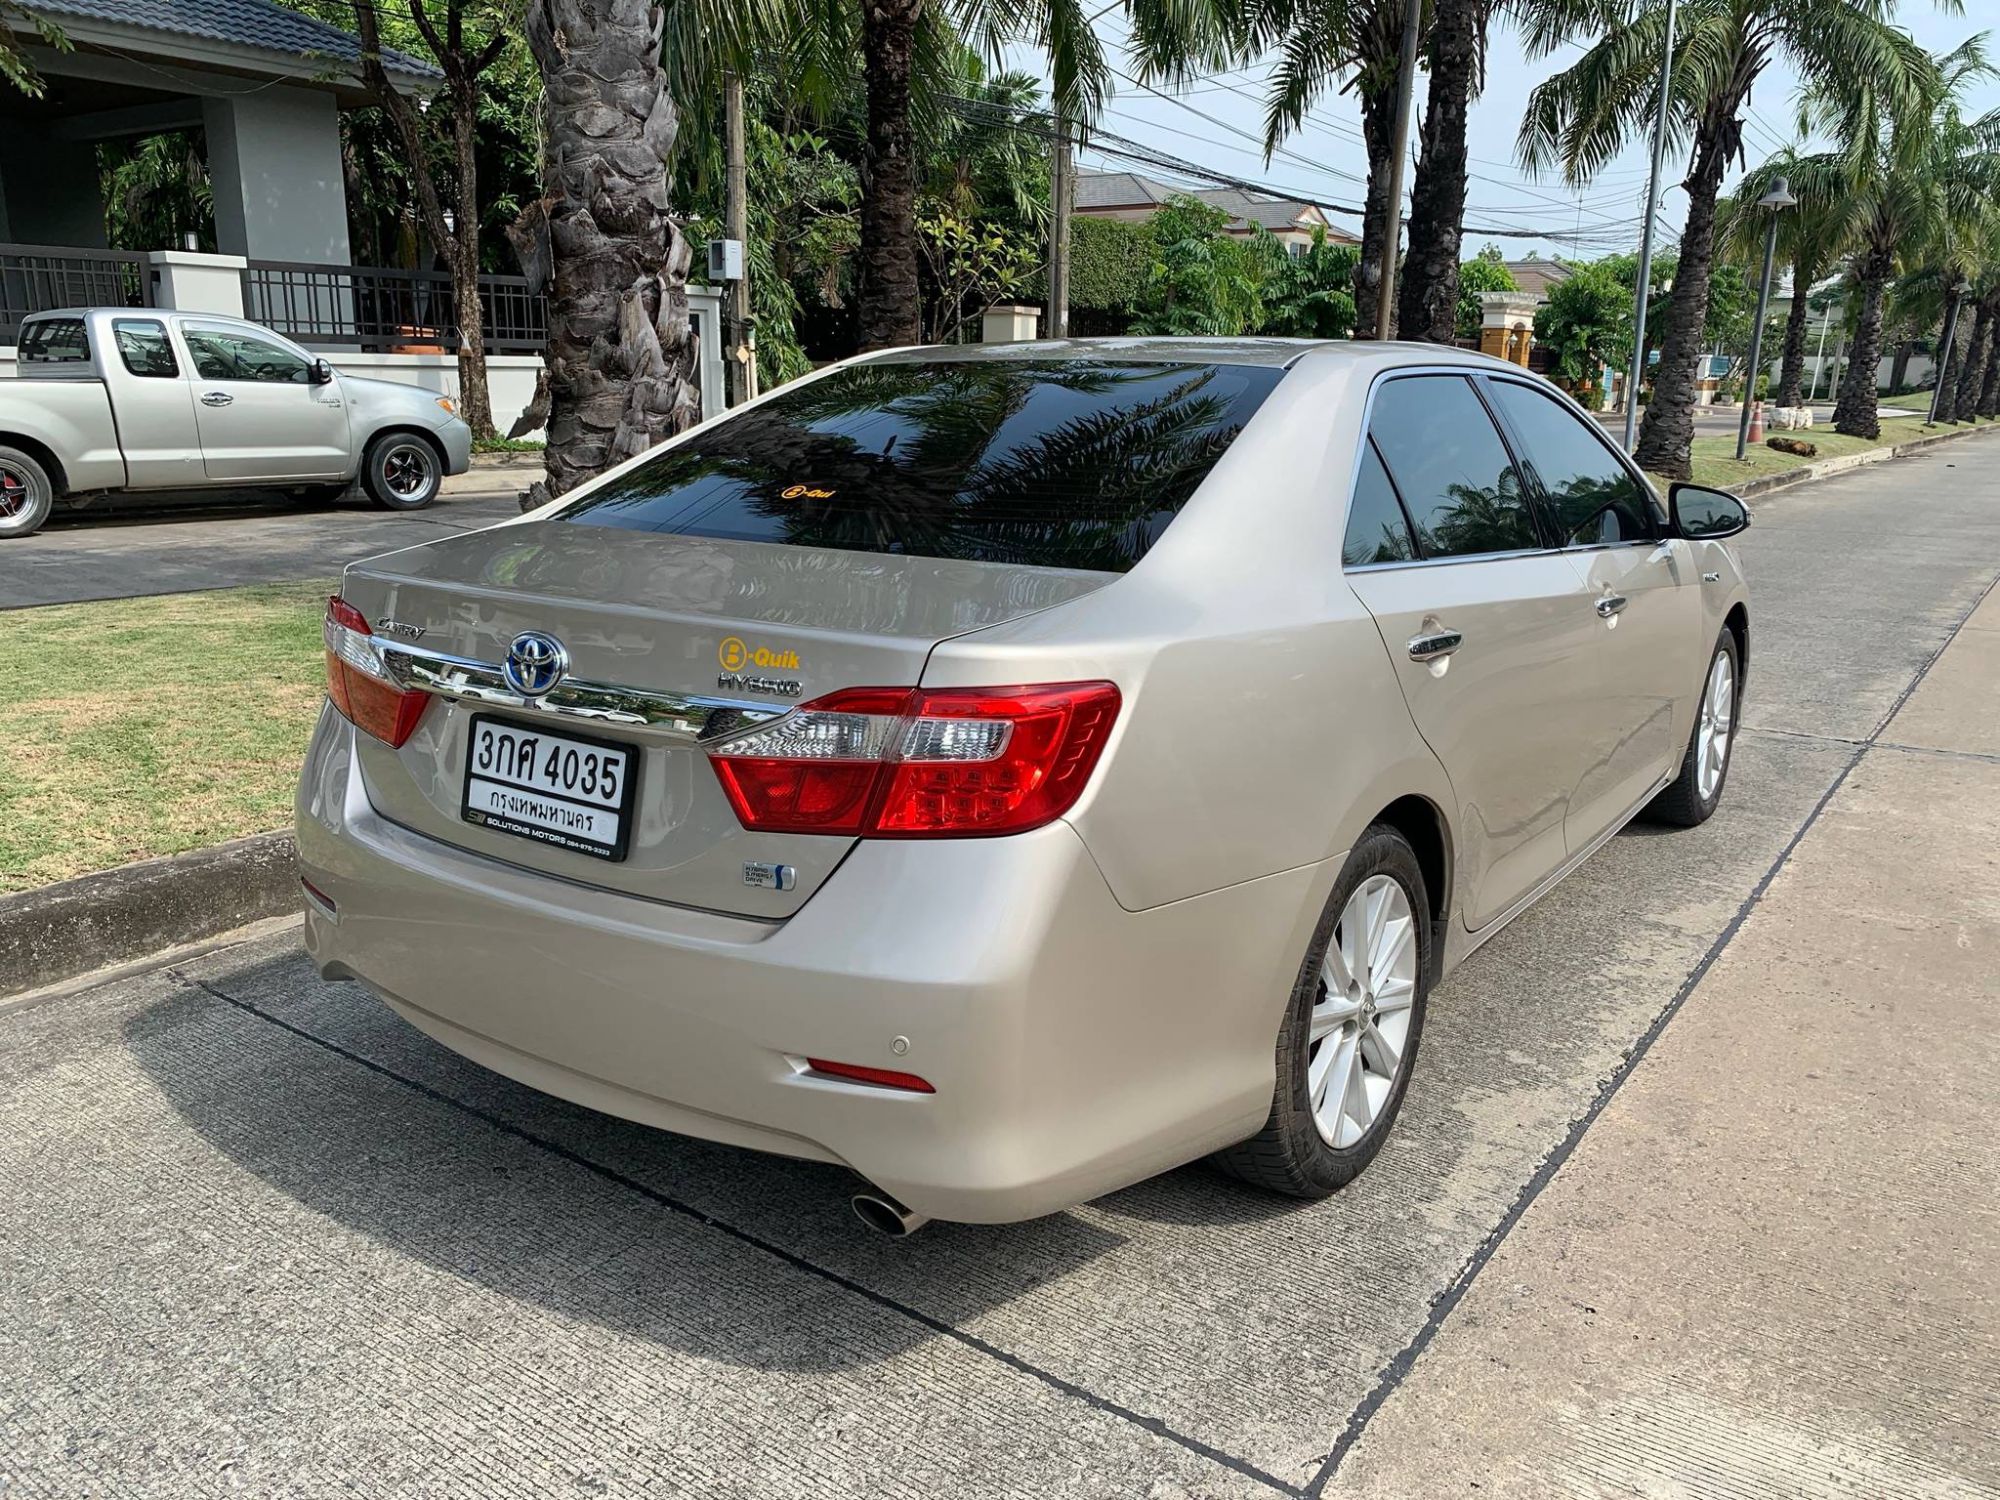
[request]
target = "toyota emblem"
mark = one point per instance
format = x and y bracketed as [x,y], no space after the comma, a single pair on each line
[536,662]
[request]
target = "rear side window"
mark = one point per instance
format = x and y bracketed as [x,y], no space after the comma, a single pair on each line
[1068,463]
[1377,531]
[1595,498]
[54,341]
[143,346]
[1463,493]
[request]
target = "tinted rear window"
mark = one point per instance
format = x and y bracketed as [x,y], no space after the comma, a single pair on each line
[53,341]
[1055,463]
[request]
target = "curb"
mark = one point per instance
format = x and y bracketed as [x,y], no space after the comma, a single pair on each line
[1827,467]
[60,932]
[521,460]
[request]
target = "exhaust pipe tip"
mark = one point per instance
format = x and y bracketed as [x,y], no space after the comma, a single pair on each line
[885,1215]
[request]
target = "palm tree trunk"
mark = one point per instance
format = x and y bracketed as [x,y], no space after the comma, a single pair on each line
[1792,371]
[1966,405]
[887,297]
[1378,112]
[1854,414]
[1899,366]
[1989,381]
[1667,434]
[618,369]
[1427,302]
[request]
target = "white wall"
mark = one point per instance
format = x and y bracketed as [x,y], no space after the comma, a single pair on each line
[510,378]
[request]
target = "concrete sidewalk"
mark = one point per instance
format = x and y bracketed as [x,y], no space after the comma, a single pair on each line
[1772,1266]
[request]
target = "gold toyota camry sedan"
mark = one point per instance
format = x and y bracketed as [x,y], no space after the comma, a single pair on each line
[1013,771]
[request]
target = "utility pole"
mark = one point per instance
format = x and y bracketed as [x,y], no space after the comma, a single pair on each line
[738,336]
[1062,192]
[1406,87]
[1646,236]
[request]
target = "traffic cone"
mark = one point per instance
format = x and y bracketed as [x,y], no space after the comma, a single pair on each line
[1756,421]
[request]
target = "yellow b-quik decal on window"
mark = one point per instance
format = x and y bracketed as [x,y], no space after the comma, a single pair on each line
[735,654]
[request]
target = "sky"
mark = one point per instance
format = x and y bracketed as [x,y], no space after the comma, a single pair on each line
[1325,159]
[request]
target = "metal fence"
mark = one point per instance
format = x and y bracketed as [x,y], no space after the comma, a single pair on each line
[379,309]
[35,278]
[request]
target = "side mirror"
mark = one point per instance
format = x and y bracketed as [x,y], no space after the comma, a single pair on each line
[320,372]
[1704,515]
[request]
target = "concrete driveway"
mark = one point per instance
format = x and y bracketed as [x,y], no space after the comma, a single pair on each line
[119,552]
[261,1237]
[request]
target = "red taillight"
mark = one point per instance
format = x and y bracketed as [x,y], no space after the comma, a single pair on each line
[917,763]
[887,1078]
[359,684]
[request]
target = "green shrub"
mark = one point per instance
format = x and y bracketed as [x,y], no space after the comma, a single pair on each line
[1108,261]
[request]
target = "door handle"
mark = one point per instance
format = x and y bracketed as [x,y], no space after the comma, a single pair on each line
[1610,604]
[1435,646]
[217,398]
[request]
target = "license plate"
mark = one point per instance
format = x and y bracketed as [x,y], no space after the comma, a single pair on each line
[555,788]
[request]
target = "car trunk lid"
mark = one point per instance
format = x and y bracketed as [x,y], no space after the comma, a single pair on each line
[730,629]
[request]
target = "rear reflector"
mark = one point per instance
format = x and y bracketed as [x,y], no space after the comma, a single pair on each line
[887,1078]
[359,684]
[920,763]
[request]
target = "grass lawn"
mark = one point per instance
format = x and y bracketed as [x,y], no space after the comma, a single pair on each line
[1714,458]
[1910,401]
[152,725]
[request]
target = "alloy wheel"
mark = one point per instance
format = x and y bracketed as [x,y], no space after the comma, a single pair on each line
[17,498]
[1718,720]
[1359,1029]
[407,470]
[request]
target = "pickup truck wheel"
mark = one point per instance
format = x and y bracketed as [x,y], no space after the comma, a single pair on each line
[26,495]
[402,472]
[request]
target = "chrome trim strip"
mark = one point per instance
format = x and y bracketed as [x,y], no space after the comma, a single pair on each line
[690,718]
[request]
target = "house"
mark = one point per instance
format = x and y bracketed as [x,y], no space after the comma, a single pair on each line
[264,86]
[1129,196]
[1535,275]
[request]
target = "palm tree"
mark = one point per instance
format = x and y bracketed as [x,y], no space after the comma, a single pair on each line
[895,34]
[618,371]
[1583,117]
[1919,182]
[1812,236]
[1354,45]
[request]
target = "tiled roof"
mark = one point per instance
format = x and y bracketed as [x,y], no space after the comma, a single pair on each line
[241,23]
[1101,191]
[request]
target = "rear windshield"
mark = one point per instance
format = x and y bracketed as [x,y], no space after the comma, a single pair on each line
[1068,463]
[53,341]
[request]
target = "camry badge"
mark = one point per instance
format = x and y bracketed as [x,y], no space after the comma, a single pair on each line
[535,663]
[396,627]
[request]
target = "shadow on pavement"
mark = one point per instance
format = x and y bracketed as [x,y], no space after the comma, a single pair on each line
[577,1212]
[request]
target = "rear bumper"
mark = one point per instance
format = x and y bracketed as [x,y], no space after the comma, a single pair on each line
[1075,1047]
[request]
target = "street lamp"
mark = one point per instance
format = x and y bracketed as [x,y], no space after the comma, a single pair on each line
[1945,350]
[1776,201]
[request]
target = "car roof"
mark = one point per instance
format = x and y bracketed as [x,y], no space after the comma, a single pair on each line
[1279,352]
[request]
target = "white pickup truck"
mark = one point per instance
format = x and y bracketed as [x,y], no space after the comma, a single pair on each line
[116,400]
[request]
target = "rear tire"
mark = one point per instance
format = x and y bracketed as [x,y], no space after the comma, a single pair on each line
[27,494]
[1349,1038]
[1693,796]
[402,471]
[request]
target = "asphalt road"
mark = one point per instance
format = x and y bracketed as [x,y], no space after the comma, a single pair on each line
[116,553]
[262,1237]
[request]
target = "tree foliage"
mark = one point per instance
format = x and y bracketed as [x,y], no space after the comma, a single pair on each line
[1485,272]
[1310,295]
[1201,282]
[1586,323]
